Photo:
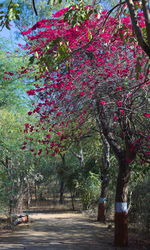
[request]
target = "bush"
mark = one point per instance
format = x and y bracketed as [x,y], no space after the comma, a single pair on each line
[90,190]
[140,209]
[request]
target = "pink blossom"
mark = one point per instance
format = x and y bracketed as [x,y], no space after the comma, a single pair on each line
[115,118]
[60,12]
[9,73]
[147,115]
[82,93]
[102,103]
[118,88]
[40,151]
[31,92]
[53,154]
[121,111]
[27,125]
[56,150]
[25,33]
[58,133]
[58,113]
[6,78]
[119,103]
[48,136]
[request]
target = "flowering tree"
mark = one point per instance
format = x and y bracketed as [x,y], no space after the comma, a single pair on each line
[143,35]
[99,71]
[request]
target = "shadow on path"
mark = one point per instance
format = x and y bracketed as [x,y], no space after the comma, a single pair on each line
[63,231]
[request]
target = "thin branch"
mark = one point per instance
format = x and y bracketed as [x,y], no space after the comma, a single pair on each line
[146,12]
[34,8]
[136,28]
[76,154]
[110,11]
[4,164]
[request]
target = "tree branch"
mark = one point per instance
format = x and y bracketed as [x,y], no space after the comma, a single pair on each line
[34,8]
[146,12]
[136,28]
[3,163]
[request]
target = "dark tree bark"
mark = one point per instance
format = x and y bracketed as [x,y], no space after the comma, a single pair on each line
[121,210]
[143,39]
[72,201]
[145,45]
[62,184]
[34,8]
[124,157]
[61,197]
[104,180]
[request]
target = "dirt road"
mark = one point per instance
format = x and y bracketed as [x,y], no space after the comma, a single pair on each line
[61,231]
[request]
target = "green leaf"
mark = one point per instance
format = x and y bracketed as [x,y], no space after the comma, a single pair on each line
[31,60]
[54,2]
[90,35]
[18,17]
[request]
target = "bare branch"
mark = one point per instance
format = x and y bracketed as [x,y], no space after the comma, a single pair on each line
[136,28]
[146,12]
[33,4]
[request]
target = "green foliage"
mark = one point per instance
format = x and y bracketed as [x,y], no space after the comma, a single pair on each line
[77,14]
[54,2]
[50,61]
[140,209]
[9,13]
[89,190]
[11,157]
[12,86]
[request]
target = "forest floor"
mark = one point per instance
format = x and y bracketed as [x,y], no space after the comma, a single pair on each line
[62,230]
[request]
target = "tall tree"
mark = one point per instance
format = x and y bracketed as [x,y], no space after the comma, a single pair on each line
[107,78]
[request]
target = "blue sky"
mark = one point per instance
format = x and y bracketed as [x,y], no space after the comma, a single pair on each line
[8,34]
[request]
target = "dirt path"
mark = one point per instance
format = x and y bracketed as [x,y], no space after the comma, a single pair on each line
[61,231]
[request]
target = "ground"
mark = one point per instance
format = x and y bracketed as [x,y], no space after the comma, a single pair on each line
[60,231]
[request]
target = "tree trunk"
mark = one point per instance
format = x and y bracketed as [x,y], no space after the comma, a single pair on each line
[28,195]
[19,205]
[61,197]
[145,45]
[104,181]
[101,210]
[62,183]
[121,210]
[72,201]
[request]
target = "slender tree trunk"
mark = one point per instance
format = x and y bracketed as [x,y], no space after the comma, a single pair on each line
[62,184]
[61,197]
[72,201]
[9,186]
[101,210]
[104,181]
[28,195]
[145,45]
[19,205]
[121,210]
[80,157]
[35,192]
